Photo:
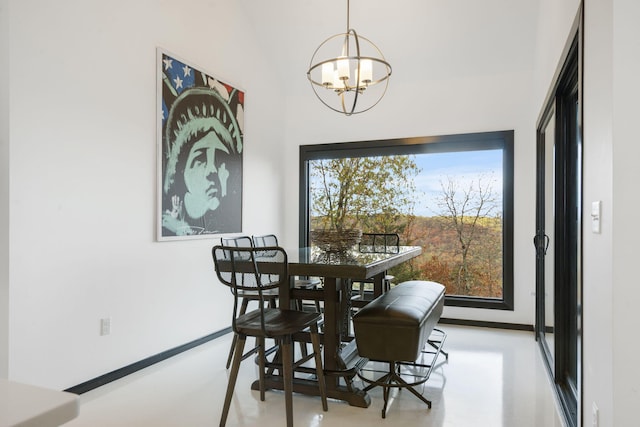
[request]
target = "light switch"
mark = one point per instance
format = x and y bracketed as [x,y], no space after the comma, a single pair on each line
[596,212]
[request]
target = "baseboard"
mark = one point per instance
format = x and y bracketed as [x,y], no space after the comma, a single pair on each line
[145,363]
[484,324]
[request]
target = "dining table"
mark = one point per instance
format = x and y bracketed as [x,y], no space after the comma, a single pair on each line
[337,271]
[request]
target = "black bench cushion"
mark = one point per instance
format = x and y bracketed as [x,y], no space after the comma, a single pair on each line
[396,325]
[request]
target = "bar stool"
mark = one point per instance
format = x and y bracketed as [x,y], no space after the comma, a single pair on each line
[299,282]
[259,270]
[246,296]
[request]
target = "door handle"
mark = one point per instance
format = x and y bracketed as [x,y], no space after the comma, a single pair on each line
[536,243]
[546,243]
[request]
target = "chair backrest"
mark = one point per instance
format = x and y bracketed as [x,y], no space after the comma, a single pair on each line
[379,243]
[265,240]
[238,242]
[251,269]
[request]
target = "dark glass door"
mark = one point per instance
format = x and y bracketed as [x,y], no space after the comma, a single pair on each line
[558,235]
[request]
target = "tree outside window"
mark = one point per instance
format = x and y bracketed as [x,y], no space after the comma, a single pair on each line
[451,202]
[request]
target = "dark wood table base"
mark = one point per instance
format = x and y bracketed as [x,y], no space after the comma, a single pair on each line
[354,396]
[341,360]
[349,364]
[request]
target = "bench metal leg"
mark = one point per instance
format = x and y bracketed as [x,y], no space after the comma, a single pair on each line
[393,377]
[438,343]
[393,380]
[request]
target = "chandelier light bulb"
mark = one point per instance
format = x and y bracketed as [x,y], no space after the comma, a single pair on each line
[327,74]
[366,71]
[343,68]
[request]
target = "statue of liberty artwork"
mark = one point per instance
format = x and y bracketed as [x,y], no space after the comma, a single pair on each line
[201,152]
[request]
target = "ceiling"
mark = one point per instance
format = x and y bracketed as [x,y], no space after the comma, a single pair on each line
[438,39]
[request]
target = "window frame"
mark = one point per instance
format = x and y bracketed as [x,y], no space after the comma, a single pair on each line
[503,140]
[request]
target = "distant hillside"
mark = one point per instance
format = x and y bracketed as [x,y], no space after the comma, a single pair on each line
[442,260]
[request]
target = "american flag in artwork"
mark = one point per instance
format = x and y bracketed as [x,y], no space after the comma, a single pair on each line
[178,76]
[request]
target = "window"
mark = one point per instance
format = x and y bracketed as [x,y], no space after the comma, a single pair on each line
[451,195]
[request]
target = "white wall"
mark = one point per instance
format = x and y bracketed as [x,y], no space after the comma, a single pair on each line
[598,284]
[452,73]
[626,175]
[4,189]
[83,171]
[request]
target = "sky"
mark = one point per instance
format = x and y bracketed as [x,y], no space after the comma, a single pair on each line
[462,167]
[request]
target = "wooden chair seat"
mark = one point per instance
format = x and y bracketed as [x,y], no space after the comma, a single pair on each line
[277,322]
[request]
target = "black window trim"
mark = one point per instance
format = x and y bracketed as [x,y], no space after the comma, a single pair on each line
[429,144]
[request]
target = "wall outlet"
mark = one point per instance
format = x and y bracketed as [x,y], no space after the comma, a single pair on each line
[105,326]
[595,416]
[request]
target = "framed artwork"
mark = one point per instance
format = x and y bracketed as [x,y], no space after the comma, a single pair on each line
[200,145]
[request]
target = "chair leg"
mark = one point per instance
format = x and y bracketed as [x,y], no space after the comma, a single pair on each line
[233,345]
[287,368]
[243,310]
[386,285]
[303,349]
[261,363]
[315,341]
[233,376]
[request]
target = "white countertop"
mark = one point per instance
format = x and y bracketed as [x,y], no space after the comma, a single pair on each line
[23,405]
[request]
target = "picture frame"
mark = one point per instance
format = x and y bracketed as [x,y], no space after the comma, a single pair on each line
[200,145]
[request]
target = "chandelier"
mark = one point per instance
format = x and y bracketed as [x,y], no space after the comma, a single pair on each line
[353,82]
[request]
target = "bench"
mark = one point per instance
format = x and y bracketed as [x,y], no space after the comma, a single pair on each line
[395,328]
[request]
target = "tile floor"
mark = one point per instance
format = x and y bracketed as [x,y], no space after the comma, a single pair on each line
[493,378]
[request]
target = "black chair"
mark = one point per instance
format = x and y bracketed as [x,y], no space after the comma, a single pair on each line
[260,270]
[376,243]
[246,296]
[299,282]
[379,243]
